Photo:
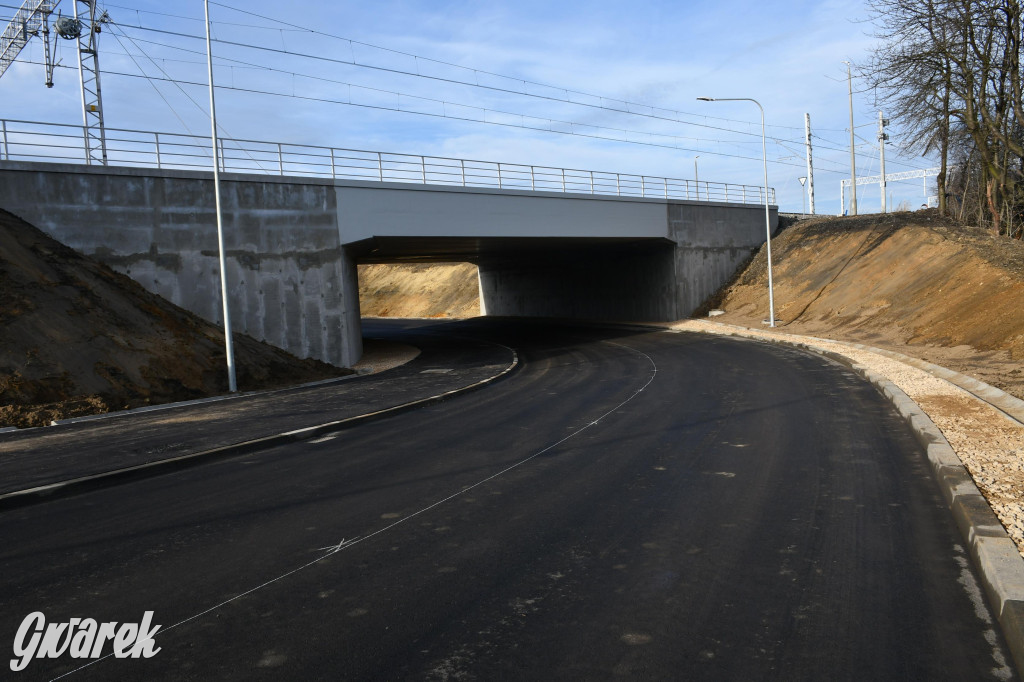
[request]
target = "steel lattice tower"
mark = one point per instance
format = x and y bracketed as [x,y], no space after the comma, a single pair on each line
[89,75]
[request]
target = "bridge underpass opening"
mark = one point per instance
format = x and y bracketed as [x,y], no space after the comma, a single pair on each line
[424,290]
[293,245]
[599,279]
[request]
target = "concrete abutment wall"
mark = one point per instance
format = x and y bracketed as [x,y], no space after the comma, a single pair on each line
[291,283]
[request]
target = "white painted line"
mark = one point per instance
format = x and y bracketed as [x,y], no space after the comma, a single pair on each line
[345,544]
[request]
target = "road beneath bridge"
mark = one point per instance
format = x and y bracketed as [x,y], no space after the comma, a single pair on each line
[628,503]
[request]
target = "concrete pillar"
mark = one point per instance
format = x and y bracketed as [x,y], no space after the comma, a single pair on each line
[351,326]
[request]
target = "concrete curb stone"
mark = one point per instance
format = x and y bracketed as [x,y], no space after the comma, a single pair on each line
[21,498]
[1001,400]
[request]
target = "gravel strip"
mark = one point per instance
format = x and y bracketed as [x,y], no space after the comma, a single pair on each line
[989,443]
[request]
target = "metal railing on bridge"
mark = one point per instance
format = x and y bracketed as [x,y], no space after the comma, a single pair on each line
[65,143]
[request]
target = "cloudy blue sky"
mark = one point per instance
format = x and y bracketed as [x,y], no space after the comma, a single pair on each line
[570,66]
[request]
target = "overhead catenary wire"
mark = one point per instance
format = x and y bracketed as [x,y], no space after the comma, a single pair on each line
[441,62]
[167,76]
[538,84]
[540,122]
[296,27]
[548,128]
[143,72]
[396,93]
[439,115]
[299,28]
[392,70]
[453,81]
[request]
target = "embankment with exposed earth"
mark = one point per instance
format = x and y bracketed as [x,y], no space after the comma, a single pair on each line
[913,282]
[419,290]
[78,338]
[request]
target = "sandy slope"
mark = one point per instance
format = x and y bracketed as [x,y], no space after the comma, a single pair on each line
[77,338]
[416,290]
[910,282]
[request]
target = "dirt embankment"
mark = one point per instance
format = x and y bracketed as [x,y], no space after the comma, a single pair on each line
[78,338]
[911,282]
[419,290]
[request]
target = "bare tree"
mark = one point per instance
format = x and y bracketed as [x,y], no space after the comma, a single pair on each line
[949,72]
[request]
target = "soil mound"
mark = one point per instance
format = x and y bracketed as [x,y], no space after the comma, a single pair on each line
[913,282]
[78,338]
[419,290]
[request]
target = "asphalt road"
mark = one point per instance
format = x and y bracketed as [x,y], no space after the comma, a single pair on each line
[626,505]
[42,456]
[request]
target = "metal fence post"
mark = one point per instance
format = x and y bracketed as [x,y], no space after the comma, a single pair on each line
[533,182]
[334,171]
[223,160]
[744,194]
[85,143]
[563,179]
[499,176]
[156,139]
[591,182]
[7,153]
[643,187]
[380,167]
[618,186]
[423,169]
[462,164]
[280,160]
[666,187]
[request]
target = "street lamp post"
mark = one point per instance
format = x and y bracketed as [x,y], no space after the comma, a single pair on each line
[767,219]
[228,345]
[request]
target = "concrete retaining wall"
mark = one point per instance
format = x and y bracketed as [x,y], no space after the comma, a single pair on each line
[290,283]
[711,243]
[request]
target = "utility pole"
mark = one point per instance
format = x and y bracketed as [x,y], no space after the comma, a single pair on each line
[47,59]
[882,137]
[853,160]
[810,166]
[89,76]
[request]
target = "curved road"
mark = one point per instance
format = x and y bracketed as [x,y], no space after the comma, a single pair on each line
[628,505]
